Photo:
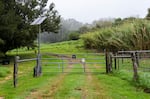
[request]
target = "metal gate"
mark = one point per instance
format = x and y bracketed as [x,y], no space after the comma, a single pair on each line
[62,63]
[73,63]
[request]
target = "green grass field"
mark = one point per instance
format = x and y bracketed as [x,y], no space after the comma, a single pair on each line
[74,84]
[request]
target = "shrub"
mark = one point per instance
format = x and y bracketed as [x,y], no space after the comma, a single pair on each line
[89,40]
[128,36]
[73,36]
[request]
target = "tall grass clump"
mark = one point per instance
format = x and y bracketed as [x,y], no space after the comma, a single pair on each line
[133,35]
[144,80]
[124,75]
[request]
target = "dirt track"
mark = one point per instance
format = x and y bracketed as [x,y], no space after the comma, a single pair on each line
[92,89]
[53,87]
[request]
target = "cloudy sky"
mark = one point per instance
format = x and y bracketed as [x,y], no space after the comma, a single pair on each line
[89,10]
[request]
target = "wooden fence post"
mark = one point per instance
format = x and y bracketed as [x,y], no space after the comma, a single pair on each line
[110,62]
[106,59]
[122,58]
[115,61]
[118,63]
[137,59]
[135,75]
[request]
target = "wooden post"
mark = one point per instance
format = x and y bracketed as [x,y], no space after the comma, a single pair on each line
[106,59]
[122,57]
[118,63]
[115,61]
[15,73]
[110,66]
[137,59]
[135,75]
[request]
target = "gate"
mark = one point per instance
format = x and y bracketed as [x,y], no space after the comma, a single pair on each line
[62,63]
[73,63]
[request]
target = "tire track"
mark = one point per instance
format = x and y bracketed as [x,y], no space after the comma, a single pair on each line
[50,91]
[93,89]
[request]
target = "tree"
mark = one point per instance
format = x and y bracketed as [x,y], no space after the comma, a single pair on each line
[15,19]
[74,36]
[148,14]
[84,29]
[118,21]
[103,23]
[52,23]
[67,26]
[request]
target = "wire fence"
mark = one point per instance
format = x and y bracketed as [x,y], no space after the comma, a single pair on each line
[135,62]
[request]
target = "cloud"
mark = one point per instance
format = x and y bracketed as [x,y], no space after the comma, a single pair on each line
[88,10]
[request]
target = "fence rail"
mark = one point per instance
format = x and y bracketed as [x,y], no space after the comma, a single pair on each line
[26,60]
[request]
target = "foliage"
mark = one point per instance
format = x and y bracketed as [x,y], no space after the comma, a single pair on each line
[118,21]
[74,36]
[67,26]
[89,40]
[148,14]
[15,19]
[52,23]
[97,24]
[84,29]
[131,35]
[103,23]
[144,80]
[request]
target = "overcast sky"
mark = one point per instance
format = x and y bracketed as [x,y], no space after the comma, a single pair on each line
[89,10]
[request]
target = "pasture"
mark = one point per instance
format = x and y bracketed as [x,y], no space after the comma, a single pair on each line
[70,85]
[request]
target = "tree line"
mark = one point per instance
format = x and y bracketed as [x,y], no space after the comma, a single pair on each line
[68,28]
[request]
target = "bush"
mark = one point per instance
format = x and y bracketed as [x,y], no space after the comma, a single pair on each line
[128,36]
[73,36]
[89,41]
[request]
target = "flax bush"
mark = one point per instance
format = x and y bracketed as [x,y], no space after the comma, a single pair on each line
[133,35]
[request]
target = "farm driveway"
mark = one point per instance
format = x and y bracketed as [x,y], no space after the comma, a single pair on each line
[71,86]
